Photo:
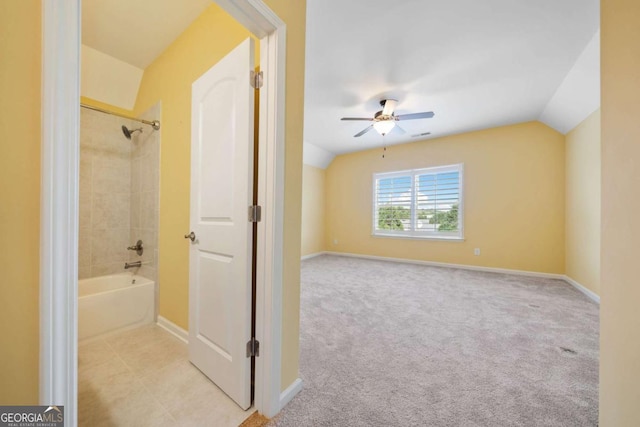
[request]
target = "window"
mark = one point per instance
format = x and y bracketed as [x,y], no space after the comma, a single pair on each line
[422,203]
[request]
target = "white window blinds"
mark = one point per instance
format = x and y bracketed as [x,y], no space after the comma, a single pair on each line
[419,203]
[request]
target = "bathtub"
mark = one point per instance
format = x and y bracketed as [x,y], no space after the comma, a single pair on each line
[109,303]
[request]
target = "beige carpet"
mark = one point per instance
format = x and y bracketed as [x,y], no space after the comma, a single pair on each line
[389,344]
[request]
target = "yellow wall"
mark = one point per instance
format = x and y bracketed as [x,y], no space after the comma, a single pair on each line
[168,79]
[313,201]
[583,203]
[620,287]
[513,203]
[19,200]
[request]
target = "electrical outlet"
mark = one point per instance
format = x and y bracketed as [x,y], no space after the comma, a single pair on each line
[476,251]
[335,241]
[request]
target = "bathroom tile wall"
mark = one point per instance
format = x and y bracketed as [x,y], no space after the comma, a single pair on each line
[145,191]
[118,194]
[105,188]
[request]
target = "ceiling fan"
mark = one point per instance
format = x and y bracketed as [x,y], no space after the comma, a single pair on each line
[384,121]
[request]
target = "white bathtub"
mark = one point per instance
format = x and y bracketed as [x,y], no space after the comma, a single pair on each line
[109,303]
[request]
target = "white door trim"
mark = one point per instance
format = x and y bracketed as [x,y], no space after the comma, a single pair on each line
[59,204]
[59,200]
[271,231]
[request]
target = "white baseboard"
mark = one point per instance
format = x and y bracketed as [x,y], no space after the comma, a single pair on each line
[290,392]
[312,255]
[590,294]
[173,329]
[449,265]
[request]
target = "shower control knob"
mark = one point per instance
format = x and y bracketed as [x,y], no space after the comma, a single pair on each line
[191,236]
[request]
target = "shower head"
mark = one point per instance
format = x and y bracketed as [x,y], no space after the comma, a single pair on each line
[128,132]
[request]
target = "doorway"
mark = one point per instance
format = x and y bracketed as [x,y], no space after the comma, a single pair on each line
[58,349]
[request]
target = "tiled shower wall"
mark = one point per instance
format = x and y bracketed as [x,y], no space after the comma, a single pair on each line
[111,203]
[105,193]
[145,191]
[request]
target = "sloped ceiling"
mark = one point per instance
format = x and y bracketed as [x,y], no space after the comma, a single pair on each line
[579,94]
[475,64]
[136,31]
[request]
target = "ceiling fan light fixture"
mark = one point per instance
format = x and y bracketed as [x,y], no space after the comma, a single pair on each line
[384,121]
[383,127]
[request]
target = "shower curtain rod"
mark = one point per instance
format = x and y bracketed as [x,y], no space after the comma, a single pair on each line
[155,123]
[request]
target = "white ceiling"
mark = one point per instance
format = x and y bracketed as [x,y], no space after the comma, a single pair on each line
[579,94]
[136,31]
[476,64]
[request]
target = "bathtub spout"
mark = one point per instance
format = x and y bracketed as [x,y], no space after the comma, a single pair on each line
[128,265]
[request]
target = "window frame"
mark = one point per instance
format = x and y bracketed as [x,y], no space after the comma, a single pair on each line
[414,234]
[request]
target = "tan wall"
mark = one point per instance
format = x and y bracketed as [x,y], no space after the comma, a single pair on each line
[20,76]
[583,203]
[168,79]
[513,204]
[620,287]
[313,215]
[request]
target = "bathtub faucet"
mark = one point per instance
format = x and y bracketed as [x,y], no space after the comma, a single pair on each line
[128,265]
[137,247]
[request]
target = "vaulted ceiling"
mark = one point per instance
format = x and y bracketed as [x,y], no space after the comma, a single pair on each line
[475,64]
[136,31]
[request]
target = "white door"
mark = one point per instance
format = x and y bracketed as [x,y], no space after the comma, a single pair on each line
[220,260]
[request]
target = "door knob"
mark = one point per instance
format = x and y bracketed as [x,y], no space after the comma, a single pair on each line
[191,236]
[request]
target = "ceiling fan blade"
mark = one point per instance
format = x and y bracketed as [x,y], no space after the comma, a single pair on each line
[414,116]
[389,106]
[356,118]
[363,131]
[399,130]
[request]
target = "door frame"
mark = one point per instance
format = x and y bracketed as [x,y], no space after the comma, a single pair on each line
[61,40]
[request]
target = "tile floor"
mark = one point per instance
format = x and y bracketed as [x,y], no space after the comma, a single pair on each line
[142,377]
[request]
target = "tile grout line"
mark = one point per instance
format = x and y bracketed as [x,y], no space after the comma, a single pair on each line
[98,364]
[145,389]
[167,410]
[155,399]
[138,378]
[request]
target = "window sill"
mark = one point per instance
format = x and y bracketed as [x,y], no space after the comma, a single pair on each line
[439,239]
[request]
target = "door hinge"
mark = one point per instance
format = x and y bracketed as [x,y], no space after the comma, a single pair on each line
[256,79]
[255,213]
[253,348]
